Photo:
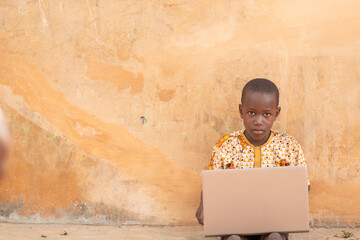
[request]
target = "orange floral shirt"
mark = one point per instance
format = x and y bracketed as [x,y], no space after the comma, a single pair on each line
[234,151]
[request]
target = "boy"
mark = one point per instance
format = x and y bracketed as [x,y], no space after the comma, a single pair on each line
[4,143]
[257,145]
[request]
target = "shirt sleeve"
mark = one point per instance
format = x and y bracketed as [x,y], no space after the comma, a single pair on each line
[220,154]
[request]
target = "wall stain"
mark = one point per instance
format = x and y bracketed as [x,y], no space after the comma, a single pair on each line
[116,75]
[166,95]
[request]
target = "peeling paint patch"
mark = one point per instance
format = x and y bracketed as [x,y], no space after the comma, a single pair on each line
[85,131]
[115,74]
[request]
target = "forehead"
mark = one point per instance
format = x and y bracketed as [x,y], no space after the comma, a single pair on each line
[259,100]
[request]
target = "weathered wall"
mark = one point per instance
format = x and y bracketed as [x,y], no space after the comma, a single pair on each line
[114,106]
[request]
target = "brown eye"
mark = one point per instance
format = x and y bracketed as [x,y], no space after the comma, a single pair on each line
[251,113]
[267,114]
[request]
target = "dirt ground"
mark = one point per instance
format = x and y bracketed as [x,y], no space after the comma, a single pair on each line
[81,232]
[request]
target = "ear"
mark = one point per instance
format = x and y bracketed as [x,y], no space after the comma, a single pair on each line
[278,109]
[241,111]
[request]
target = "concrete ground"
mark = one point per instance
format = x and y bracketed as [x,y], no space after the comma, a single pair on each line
[82,232]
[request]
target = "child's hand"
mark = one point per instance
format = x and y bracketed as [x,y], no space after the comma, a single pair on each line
[200,215]
[200,212]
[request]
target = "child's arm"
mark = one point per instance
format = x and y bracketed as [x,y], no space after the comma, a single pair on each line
[200,212]
[217,162]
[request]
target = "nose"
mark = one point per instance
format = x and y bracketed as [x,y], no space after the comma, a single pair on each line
[258,120]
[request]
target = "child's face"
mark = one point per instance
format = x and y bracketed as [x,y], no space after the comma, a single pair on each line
[258,111]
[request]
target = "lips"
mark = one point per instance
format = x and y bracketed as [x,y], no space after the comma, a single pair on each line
[257,131]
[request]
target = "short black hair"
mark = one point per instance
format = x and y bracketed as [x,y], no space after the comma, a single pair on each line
[260,85]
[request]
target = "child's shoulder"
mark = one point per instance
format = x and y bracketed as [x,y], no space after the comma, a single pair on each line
[228,138]
[233,134]
[283,137]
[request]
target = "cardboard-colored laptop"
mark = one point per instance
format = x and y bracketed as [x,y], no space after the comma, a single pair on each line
[255,201]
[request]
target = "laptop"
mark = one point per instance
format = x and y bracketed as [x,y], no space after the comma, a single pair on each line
[255,201]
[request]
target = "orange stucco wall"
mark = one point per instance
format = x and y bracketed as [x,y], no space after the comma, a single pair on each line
[114,106]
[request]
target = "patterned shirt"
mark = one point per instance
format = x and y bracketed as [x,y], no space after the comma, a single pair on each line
[234,151]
